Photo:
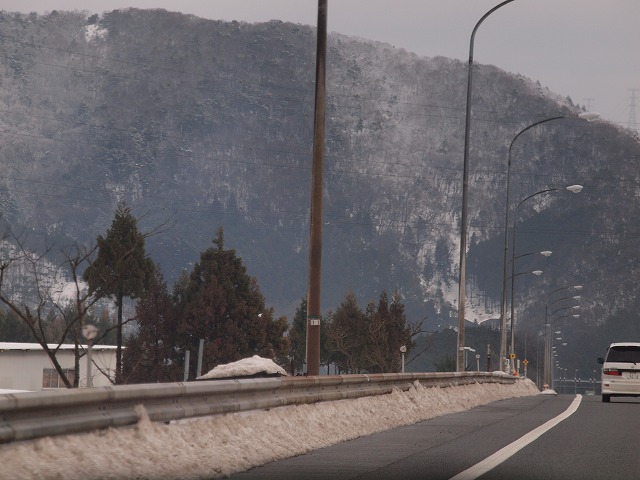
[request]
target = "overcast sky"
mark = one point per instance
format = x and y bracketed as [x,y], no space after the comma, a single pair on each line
[586,49]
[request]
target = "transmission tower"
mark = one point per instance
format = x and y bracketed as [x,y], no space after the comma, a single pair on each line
[588,104]
[633,122]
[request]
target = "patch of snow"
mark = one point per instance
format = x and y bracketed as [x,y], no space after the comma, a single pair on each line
[245,367]
[64,291]
[216,447]
[93,32]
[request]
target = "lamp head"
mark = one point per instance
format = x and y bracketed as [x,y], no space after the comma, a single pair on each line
[589,116]
[575,188]
[537,272]
[546,253]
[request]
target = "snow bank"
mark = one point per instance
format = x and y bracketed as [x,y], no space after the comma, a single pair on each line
[215,447]
[244,368]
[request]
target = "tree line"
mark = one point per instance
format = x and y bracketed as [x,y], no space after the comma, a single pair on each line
[217,302]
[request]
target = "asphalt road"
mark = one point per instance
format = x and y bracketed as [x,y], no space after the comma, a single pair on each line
[598,441]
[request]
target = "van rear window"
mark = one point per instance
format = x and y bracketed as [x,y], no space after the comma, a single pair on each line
[628,354]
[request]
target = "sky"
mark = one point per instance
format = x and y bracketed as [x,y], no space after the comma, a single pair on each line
[215,447]
[585,49]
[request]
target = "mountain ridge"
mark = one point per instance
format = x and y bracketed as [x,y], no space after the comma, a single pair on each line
[210,123]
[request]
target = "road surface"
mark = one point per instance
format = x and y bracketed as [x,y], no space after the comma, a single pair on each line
[597,441]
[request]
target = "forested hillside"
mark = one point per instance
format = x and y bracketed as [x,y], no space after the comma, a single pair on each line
[198,124]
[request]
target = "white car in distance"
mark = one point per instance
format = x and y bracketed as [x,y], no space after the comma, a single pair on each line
[621,371]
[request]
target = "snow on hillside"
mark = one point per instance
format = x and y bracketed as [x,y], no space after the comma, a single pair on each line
[215,447]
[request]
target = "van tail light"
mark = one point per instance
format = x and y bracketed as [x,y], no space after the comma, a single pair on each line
[612,371]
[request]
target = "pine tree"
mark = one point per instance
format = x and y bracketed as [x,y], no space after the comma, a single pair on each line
[348,336]
[399,332]
[222,304]
[297,336]
[370,341]
[14,329]
[151,355]
[121,268]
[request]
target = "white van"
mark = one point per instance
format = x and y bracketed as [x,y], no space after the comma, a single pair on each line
[621,371]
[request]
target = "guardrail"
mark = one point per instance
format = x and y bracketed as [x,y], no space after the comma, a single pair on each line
[26,416]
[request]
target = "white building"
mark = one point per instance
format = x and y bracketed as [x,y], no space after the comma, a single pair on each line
[26,366]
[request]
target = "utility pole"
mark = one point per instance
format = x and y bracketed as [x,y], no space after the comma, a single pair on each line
[488,357]
[315,224]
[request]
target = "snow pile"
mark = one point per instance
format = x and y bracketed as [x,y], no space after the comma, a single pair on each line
[215,447]
[244,368]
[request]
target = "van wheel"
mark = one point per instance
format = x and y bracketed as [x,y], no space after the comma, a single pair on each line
[606,398]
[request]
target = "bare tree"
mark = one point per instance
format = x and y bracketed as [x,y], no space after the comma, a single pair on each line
[52,317]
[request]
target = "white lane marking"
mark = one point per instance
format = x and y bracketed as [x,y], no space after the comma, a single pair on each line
[503,454]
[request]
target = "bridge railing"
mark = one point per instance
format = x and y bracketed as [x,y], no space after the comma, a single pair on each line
[27,416]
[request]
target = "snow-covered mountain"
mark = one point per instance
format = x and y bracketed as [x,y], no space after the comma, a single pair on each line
[198,123]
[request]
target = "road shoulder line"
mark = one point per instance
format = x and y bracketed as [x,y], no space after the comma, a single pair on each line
[504,453]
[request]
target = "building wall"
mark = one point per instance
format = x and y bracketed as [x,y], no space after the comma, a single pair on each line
[25,369]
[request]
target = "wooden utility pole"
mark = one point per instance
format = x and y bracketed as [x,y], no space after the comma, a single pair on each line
[315,224]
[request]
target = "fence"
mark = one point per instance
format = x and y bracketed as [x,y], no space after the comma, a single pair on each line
[27,416]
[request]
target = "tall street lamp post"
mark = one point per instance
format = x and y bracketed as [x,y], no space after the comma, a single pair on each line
[588,116]
[464,221]
[89,332]
[548,342]
[572,189]
[544,253]
[512,277]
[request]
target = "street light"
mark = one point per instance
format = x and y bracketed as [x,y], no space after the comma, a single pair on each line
[570,188]
[548,324]
[549,304]
[464,222]
[571,287]
[588,116]
[89,332]
[467,349]
[512,349]
[544,253]
[403,350]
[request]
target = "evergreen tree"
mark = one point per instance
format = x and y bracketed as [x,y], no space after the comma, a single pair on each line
[347,334]
[13,329]
[370,341]
[298,337]
[151,355]
[387,331]
[222,304]
[121,268]
[446,364]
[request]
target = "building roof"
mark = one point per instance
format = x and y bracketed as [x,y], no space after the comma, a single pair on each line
[13,346]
